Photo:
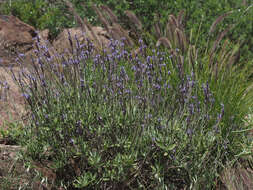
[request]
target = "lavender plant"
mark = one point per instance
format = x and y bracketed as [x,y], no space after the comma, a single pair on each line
[156,119]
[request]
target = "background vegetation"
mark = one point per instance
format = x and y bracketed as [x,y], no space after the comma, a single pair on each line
[198,14]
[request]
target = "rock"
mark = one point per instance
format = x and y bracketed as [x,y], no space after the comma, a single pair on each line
[12,103]
[16,32]
[15,37]
[62,43]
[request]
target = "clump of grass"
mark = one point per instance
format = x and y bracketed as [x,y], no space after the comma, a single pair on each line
[110,22]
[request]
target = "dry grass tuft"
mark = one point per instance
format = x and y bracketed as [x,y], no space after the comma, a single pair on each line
[117,33]
[77,17]
[113,18]
[164,41]
[104,22]
[115,30]
[174,35]
[180,17]
[133,18]
[217,21]
[85,25]
[216,44]
[180,39]
[157,30]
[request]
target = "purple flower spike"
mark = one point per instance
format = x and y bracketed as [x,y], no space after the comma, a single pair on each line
[27,96]
[222,112]
[82,83]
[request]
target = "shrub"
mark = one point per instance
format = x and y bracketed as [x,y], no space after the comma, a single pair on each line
[157,119]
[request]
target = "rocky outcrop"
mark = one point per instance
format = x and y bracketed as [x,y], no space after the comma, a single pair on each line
[15,36]
[62,42]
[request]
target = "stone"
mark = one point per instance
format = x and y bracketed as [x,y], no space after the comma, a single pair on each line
[15,37]
[61,43]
